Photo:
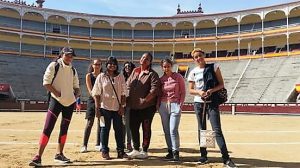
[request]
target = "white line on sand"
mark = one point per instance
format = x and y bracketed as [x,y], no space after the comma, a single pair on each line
[187,143]
[181,131]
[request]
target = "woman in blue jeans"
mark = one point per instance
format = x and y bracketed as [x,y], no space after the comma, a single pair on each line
[204,81]
[110,87]
[169,104]
[127,70]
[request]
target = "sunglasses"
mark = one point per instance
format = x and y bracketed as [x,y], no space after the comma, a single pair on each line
[112,63]
[97,64]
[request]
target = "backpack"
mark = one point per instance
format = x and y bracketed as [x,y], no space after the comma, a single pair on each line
[56,68]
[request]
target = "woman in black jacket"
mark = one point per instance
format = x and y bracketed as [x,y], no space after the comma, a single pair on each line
[204,82]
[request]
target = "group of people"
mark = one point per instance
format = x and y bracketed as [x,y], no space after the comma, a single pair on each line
[129,100]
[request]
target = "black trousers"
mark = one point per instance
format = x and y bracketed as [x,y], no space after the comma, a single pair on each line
[144,117]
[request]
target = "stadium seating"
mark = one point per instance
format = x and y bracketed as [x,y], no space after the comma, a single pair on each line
[259,59]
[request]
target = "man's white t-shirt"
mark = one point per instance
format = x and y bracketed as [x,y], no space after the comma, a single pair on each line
[196,75]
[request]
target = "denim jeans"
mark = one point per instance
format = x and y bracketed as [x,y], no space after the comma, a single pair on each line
[170,117]
[126,129]
[214,117]
[118,128]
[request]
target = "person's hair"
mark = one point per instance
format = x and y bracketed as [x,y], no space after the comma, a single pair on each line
[123,70]
[166,60]
[91,69]
[113,60]
[151,58]
[197,50]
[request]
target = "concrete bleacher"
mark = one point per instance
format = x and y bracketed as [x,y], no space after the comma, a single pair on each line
[25,75]
[256,79]
[284,81]
[231,72]
[264,81]
[268,80]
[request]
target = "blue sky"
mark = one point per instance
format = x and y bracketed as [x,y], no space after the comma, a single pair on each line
[153,7]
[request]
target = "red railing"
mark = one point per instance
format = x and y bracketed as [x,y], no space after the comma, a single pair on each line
[234,108]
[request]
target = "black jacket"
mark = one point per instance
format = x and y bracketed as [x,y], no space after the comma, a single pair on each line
[210,81]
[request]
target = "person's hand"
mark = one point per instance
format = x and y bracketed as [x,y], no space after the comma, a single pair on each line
[209,92]
[97,112]
[121,111]
[201,93]
[56,93]
[77,93]
[142,101]
[181,105]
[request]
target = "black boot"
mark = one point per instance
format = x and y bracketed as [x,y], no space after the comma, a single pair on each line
[175,156]
[169,156]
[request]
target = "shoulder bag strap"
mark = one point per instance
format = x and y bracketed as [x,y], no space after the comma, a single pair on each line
[203,114]
[114,90]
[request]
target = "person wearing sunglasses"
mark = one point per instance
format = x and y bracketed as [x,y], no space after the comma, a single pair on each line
[93,71]
[109,96]
[127,70]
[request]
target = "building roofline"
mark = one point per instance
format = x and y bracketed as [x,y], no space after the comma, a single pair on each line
[188,15]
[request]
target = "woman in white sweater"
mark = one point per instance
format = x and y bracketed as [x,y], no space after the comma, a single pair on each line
[61,80]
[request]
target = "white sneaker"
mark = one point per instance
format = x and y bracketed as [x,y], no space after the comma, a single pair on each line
[83,149]
[143,155]
[133,154]
[98,147]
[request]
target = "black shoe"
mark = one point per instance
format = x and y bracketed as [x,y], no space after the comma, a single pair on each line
[105,156]
[229,164]
[202,160]
[169,156]
[175,156]
[60,158]
[36,161]
[122,155]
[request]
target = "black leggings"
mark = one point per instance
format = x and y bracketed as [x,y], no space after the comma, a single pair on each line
[144,117]
[53,112]
[88,129]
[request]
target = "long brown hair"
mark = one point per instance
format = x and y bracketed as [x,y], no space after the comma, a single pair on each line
[91,69]
[130,64]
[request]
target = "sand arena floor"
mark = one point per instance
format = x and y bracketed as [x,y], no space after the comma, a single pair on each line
[252,140]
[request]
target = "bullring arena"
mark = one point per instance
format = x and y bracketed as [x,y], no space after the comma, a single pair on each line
[257,49]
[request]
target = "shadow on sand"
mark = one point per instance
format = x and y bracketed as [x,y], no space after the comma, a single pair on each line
[186,161]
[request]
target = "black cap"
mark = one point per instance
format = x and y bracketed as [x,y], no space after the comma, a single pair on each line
[68,50]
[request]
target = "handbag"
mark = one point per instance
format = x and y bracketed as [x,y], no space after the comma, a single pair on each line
[222,95]
[207,137]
